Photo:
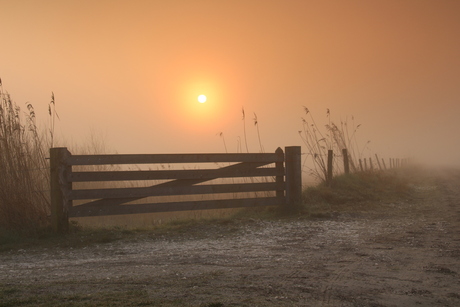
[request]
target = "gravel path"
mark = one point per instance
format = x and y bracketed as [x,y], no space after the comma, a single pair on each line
[403,254]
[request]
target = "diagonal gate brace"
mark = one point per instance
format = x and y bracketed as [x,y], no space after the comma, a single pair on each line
[178,182]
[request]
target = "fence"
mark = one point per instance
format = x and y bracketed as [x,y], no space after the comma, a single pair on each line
[347,162]
[285,187]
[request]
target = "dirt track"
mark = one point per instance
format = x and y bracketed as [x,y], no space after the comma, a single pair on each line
[405,253]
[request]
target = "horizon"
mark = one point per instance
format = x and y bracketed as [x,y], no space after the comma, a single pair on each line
[131,73]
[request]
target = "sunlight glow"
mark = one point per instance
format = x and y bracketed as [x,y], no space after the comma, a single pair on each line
[188,113]
[202,98]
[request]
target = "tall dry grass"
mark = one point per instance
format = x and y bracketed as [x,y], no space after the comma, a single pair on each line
[24,169]
[318,141]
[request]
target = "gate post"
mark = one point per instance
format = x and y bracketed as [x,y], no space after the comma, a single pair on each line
[279,166]
[60,187]
[293,175]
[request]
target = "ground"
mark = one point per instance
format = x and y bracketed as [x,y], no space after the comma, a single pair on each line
[389,253]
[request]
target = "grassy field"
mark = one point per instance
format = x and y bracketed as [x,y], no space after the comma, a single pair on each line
[355,192]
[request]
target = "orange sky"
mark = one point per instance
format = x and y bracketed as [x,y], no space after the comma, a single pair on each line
[132,71]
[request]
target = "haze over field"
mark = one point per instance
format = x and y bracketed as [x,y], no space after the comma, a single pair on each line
[132,72]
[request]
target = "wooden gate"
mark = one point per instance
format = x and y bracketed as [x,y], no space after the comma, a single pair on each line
[278,173]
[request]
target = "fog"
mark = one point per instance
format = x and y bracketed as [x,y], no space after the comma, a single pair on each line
[130,72]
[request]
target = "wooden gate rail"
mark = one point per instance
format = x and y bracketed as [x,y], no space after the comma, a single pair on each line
[109,201]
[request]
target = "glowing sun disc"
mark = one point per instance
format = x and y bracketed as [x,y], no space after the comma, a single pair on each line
[202,98]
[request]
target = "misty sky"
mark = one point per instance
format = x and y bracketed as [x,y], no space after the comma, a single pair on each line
[132,70]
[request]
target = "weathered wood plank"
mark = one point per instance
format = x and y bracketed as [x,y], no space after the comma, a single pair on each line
[170,158]
[81,211]
[208,174]
[174,190]
[184,182]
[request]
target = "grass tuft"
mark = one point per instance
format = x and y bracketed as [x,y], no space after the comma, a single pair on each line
[24,169]
[336,137]
[356,191]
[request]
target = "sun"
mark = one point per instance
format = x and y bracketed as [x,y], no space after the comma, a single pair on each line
[202,98]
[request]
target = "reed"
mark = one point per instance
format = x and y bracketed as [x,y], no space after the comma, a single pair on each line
[333,137]
[24,169]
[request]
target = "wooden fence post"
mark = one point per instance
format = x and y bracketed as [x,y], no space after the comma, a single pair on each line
[279,166]
[346,165]
[378,162]
[329,166]
[361,165]
[59,188]
[293,175]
